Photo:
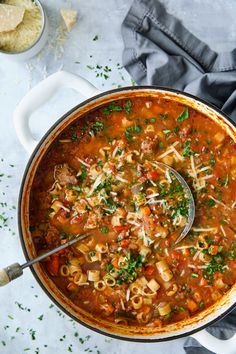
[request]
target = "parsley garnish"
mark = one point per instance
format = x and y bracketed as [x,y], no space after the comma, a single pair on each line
[97,127]
[210,203]
[212,161]
[104,229]
[184,115]
[112,107]
[163,116]
[187,151]
[128,106]
[129,273]
[130,131]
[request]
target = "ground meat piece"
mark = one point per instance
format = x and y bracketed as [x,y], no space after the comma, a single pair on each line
[64,175]
[52,236]
[149,146]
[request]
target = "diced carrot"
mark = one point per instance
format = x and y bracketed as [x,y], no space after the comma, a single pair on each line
[53,265]
[124,243]
[145,211]
[203,282]
[213,249]
[149,270]
[153,175]
[72,286]
[192,306]
[115,263]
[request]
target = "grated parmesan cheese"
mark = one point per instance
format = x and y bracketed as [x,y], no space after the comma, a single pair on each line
[27,32]
[10,17]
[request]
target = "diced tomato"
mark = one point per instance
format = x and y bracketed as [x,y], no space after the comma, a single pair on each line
[124,243]
[175,255]
[149,270]
[121,228]
[213,249]
[53,265]
[192,306]
[185,252]
[72,286]
[153,175]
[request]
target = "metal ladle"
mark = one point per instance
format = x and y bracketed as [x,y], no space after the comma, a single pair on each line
[15,270]
[189,196]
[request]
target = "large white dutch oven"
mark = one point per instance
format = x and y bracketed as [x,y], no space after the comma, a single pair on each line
[193,327]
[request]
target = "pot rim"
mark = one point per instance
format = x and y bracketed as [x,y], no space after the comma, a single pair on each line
[19,214]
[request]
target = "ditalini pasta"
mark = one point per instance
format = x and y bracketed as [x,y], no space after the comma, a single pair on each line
[101,176]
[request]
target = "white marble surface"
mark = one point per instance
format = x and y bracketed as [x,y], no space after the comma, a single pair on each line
[28,322]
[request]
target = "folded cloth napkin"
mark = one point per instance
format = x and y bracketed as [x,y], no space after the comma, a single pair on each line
[159,50]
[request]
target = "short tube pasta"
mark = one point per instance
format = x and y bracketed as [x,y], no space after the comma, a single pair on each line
[101,248]
[164,308]
[109,280]
[80,279]
[64,270]
[93,275]
[100,285]
[137,302]
[164,270]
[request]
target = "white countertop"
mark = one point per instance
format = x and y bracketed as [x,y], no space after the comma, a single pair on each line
[29,323]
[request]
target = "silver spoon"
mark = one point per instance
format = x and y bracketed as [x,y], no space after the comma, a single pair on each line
[189,195]
[15,270]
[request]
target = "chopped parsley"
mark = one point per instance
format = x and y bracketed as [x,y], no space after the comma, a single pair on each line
[212,161]
[216,265]
[104,229]
[112,107]
[128,106]
[130,131]
[97,127]
[187,151]
[166,131]
[129,273]
[210,203]
[184,115]
[163,116]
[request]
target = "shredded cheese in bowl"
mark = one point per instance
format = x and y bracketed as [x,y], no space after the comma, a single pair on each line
[28,30]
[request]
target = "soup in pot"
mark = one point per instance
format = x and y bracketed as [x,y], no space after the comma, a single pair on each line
[101,176]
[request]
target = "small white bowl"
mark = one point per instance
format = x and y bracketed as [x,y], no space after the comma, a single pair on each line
[36,46]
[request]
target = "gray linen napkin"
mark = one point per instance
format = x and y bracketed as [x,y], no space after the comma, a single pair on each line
[159,50]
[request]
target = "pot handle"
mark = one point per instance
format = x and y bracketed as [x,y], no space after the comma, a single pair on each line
[41,93]
[214,344]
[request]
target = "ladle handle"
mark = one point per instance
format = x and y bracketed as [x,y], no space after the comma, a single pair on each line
[10,273]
